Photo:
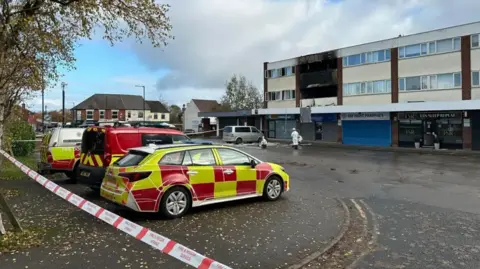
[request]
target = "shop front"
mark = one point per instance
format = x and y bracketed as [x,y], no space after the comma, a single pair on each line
[367,129]
[325,126]
[427,127]
[280,126]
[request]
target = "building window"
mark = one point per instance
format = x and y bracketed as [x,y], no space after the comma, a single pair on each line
[162,116]
[79,115]
[114,114]
[280,72]
[367,58]
[428,48]
[129,114]
[140,114]
[475,78]
[475,41]
[431,82]
[89,114]
[101,114]
[368,87]
[155,116]
[280,95]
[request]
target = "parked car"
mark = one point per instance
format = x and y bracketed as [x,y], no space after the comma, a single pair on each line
[102,146]
[60,152]
[171,179]
[241,134]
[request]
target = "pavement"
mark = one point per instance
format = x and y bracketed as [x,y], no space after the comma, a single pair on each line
[410,210]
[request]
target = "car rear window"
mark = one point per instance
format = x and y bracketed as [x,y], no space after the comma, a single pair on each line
[132,158]
[227,129]
[93,142]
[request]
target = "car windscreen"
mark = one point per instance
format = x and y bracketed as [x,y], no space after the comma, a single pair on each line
[133,158]
[93,142]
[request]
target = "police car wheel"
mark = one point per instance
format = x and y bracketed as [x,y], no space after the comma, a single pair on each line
[175,202]
[273,188]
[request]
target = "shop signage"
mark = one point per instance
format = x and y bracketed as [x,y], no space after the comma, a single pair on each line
[281,117]
[366,116]
[429,115]
[331,117]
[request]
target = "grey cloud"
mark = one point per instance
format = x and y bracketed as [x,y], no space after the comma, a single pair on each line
[216,38]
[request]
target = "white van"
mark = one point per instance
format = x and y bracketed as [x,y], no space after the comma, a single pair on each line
[240,134]
[60,151]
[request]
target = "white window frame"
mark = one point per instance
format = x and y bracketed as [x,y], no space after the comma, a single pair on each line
[86,114]
[430,79]
[350,89]
[78,115]
[118,114]
[100,117]
[471,41]
[428,46]
[473,84]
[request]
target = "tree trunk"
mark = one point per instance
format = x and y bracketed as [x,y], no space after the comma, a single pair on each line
[1,128]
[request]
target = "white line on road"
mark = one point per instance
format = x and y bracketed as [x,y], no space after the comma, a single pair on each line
[359,208]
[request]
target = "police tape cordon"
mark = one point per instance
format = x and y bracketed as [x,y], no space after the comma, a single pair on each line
[141,233]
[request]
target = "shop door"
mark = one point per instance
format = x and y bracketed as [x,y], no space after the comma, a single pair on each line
[271,129]
[367,133]
[475,123]
[283,128]
[318,130]
[329,131]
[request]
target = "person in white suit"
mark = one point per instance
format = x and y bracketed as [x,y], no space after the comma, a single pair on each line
[295,138]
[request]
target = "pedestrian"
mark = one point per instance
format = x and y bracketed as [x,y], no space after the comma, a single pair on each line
[295,137]
[263,143]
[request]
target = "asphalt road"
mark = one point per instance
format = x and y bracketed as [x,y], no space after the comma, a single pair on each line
[245,234]
[427,206]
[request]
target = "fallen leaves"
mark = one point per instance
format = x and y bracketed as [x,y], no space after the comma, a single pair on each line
[16,241]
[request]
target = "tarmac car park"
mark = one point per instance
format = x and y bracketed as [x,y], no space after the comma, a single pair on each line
[173,178]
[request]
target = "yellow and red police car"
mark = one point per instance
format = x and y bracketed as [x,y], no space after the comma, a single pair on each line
[171,179]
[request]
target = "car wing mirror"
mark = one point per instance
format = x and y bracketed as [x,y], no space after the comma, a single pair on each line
[253,163]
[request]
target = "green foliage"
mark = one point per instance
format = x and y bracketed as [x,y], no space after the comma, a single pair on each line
[18,129]
[8,171]
[240,94]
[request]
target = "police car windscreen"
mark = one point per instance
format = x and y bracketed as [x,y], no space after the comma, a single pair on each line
[93,142]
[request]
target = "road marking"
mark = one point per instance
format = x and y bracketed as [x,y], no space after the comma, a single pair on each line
[359,208]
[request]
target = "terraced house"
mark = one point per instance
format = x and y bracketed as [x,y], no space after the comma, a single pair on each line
[421,87]
[119,107]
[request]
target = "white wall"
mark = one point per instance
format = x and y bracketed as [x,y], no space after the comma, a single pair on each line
[191,120]
[281,104]
[429,65]
[368,72]
[430,95]
[368,99]
[475,93]
[475,59]
[133,115]
[281,83]
[281,64]
[151,116]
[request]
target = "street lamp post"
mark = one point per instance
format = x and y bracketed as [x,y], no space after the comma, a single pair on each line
[43,110]
[142,86]
[63,103]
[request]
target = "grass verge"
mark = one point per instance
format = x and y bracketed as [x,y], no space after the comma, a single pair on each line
[8,171]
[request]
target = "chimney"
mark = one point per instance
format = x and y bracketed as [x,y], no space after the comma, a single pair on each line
[24,112]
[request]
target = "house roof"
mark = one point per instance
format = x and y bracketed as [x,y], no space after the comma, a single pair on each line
[157,106]
[112,101]
[205,105]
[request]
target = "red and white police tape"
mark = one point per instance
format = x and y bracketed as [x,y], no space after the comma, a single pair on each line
[141,233]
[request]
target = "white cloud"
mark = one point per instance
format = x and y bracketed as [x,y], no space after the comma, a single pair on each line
[216,38]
